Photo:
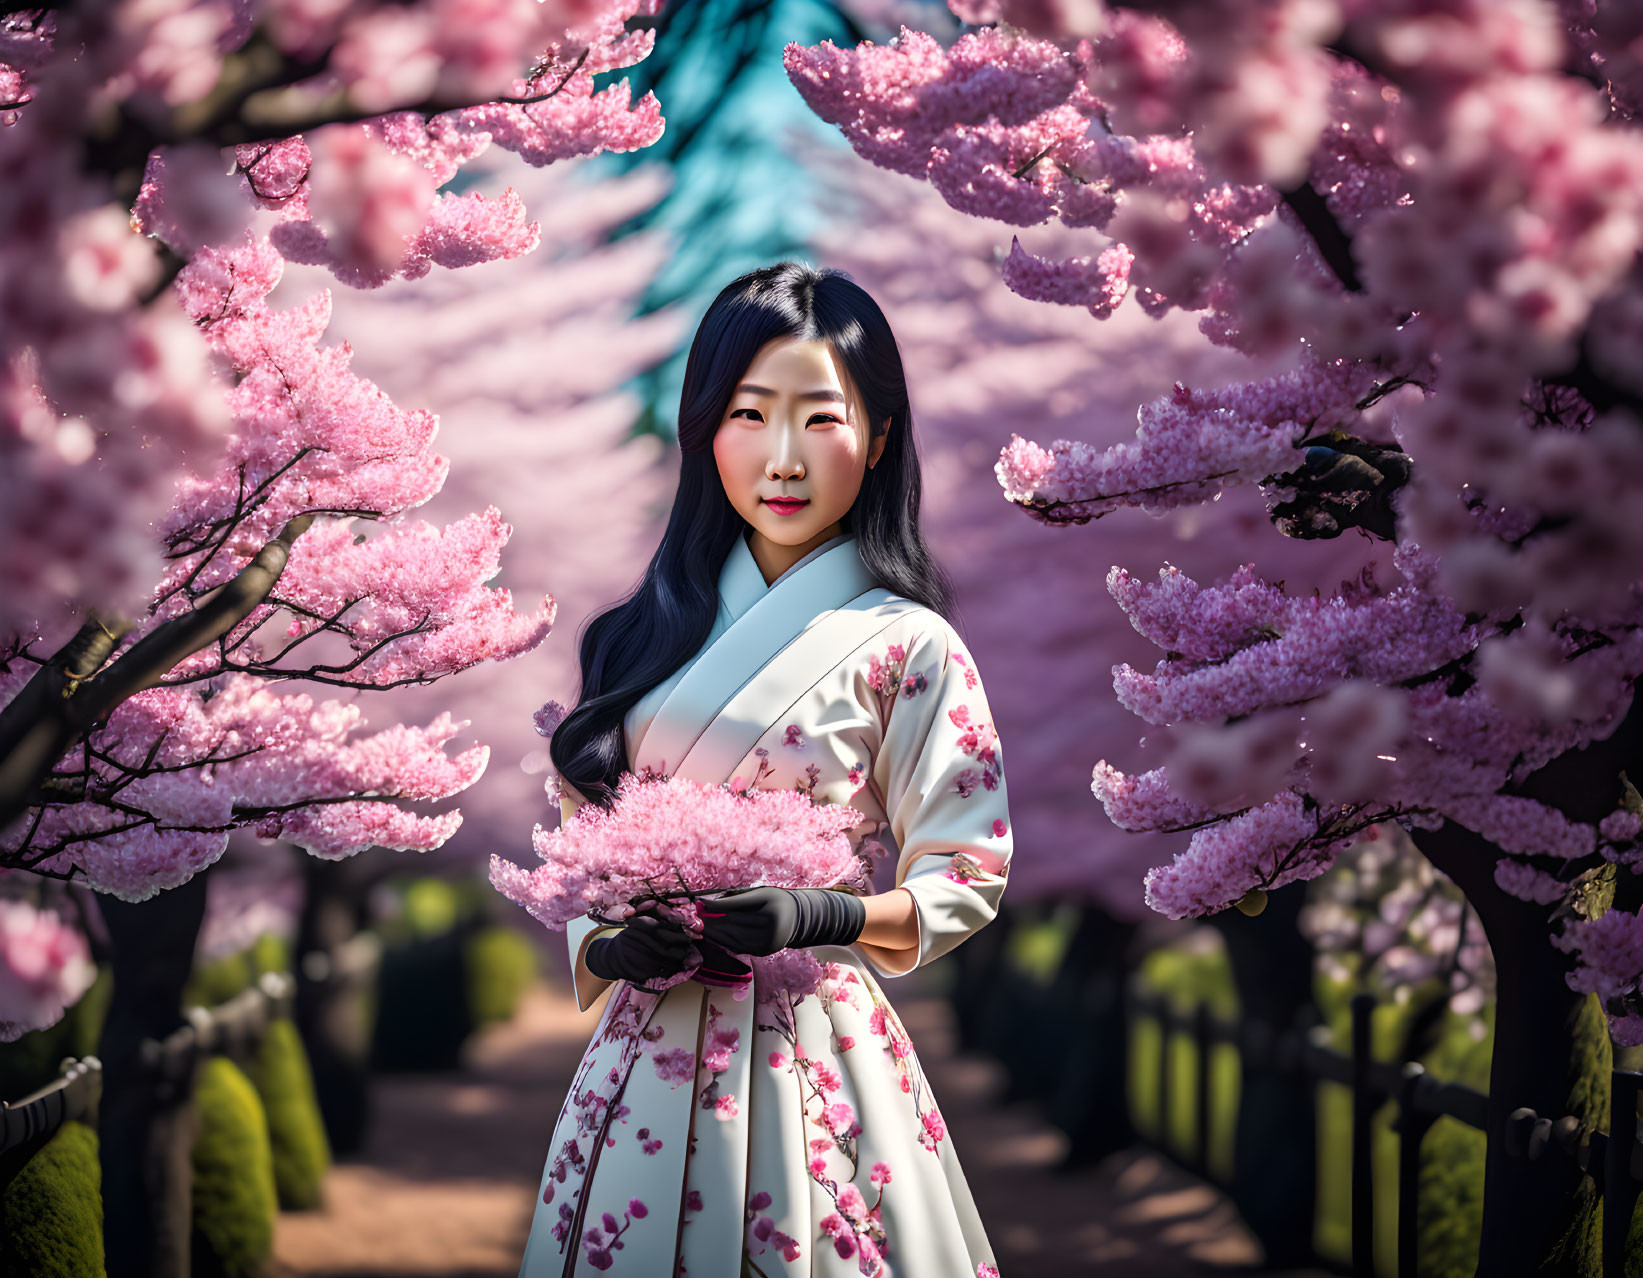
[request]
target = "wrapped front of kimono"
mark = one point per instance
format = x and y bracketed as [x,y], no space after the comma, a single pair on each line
[785,1127]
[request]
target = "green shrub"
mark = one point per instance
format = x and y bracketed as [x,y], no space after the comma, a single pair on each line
[296,1132]
[51,1213]
[1036,947]
[422,1012]
[32,1061]
[234,1198]
[217,980]
[432,906]
[270,952]
[502,965]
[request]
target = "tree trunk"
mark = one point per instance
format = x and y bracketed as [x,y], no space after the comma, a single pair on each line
[1275,1147]
[978,966]
[1552,1053]
[146,1122]
[329,1011]
[1090,1099]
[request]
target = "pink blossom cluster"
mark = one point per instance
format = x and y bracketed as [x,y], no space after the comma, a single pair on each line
[665,838]
[1610,953]
[1013,123]
[45,966]
[1187,449]
[1334,699]
[105,386]
[408,605]
[172,774]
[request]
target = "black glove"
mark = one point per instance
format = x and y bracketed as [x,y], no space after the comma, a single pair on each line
[763,920]
[647,948]
[719,966]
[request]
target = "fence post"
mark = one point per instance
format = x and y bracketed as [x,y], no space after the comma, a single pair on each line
[1620,1184]
[1412,1127]
[1163,1009]
[1363,1112]
[1201,1035]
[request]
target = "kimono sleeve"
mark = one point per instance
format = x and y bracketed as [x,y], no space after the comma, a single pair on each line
[581,932]
[939,774]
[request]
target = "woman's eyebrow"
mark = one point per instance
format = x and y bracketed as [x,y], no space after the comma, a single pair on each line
[829,396]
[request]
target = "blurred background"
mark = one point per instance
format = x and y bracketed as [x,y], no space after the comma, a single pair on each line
[402,1130]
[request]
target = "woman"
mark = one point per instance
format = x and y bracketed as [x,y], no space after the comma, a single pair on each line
[788,632]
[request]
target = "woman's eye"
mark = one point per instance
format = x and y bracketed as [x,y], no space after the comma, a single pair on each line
[827,419]
[752,414]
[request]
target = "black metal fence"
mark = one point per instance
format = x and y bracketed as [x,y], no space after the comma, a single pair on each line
[1613,1159]
[234,1028]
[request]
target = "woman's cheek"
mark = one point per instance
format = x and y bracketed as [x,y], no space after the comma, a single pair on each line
[736,470]
[842,463]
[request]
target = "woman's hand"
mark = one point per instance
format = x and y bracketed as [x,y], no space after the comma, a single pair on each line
[763,920]
[646,949]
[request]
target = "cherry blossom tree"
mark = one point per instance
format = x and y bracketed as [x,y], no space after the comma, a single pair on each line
[158,168]
[179,737]
[1432,212]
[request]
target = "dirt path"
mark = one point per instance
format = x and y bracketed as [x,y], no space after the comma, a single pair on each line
[445,1186]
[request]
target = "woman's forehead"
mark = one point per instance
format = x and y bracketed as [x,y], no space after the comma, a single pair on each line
[809,367]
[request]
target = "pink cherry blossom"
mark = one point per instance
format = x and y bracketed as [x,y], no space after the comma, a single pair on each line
[45,966]
[665,836]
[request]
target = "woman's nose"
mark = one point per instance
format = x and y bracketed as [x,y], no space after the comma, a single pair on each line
[784,462]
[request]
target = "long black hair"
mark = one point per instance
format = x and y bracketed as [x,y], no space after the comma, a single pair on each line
[634,645]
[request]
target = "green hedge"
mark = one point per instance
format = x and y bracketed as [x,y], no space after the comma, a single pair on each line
[280,1073]
[51,1213]
[234,1197]
[296,1132]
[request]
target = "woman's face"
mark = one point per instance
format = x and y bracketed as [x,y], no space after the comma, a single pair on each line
[792,449]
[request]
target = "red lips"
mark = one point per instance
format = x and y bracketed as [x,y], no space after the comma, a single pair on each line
[786,505]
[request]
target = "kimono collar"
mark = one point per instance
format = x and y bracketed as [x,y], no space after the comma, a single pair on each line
[741,580]
[762,621]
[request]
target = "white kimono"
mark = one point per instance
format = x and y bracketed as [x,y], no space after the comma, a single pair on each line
[712,1133]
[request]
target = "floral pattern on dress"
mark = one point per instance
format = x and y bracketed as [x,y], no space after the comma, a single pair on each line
[978,740]
[854,1228]
[718,1045]
[888,676]
[596,1106]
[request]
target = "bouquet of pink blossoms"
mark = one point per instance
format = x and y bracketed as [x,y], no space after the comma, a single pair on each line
[665,843]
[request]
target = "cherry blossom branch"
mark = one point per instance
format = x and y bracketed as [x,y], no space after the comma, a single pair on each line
[68,696]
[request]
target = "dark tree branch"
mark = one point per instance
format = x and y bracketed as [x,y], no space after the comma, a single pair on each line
[78,660]
[1334,244]
[68,697]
